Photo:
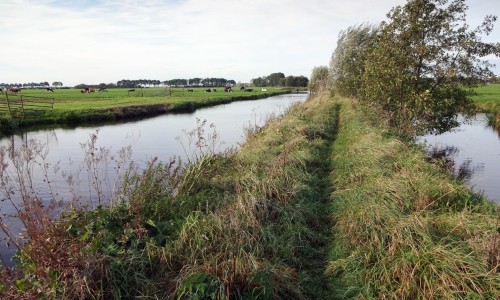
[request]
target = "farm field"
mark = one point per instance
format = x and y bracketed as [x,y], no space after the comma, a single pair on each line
[487,97]
[73,99]
[73,106]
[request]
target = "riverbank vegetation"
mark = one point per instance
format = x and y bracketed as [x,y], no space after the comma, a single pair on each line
[247,224]
[71,106]
[404,229]
[258,223]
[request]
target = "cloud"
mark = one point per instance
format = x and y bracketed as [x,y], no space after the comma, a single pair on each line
[93,41]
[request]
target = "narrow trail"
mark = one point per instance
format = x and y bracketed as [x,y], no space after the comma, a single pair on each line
[324,187]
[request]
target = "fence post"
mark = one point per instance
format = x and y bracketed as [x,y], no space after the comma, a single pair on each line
[8,103]
[22,106]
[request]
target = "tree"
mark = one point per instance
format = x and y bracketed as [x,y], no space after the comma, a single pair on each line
[347,64]
[274,78]
[260,81]
[57,84]
[319,78]
[423,61]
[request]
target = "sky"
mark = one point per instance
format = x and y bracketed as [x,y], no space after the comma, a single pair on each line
[97,41]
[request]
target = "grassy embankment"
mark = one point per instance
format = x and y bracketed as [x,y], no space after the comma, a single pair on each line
[250,224]
[73,107]
[258,224]
[487,98]
[403,228]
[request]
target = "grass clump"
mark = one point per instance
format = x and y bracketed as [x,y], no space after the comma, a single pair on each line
[404,229]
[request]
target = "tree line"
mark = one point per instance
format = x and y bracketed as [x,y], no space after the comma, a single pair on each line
[31,85]
[279,79]
[212,82]
[416,71]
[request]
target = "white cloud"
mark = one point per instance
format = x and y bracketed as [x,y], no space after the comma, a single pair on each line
[91,41]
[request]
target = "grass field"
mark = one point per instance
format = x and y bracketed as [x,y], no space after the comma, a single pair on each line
[487,98]
[72,106]
[73,99]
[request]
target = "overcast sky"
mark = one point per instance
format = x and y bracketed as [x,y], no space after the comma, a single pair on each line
[103,41]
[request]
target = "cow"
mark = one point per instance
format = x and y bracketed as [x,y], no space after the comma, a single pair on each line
[228,89]
[84,91]
[14,90]
[103,89]
[248,90]
[208,90]
[1,90]
[49,89]
[242,88]
[190,90]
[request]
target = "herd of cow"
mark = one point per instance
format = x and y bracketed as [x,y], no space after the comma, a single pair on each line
[227,89]
[90,89]
[17,90]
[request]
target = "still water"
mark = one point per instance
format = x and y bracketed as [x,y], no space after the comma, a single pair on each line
[474,148]
[61,151]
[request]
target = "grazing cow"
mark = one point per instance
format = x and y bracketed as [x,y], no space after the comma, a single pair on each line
[87,90]
[208,90]
[103,89]
[132,90]
[190,90]
[1,90]
[49,89]
[214,90]
[248,90]
[14,90]
[242,88]
[228,89]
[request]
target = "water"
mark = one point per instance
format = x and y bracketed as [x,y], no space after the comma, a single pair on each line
[474,148]
[163,137]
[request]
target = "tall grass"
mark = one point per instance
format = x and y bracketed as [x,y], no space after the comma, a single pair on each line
[404,229]
[247,224]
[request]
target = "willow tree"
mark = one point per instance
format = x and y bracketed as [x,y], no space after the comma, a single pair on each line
[422,63]
[319,78]
[347,64]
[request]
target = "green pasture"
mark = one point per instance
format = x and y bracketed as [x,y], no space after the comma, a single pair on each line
[487,93]
[74,100]
[72,106]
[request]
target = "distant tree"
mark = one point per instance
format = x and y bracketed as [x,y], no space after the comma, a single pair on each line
[421,62]
[347,64]
[57,84]
[319,78]
[274,78]
[260,81]
[81,86]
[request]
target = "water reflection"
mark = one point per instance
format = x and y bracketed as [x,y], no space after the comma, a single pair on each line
[473,152]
